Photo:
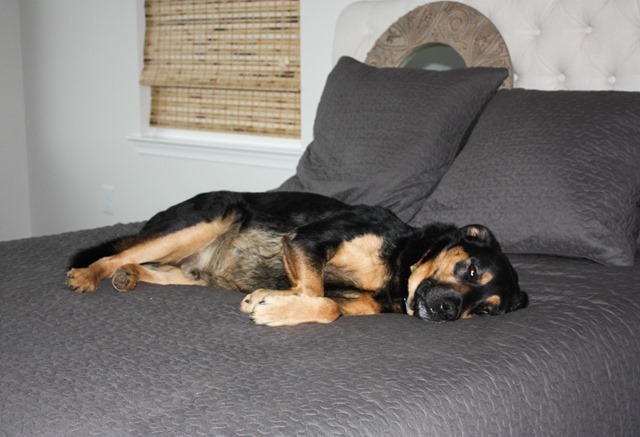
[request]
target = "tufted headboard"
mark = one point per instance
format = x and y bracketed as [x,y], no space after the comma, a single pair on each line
[554,44]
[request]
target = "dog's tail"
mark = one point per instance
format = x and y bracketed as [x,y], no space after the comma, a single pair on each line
[87,256]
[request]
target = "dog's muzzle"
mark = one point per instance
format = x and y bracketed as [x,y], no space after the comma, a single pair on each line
[437,303]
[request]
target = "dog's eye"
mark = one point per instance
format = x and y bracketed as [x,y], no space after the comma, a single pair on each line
[472,271]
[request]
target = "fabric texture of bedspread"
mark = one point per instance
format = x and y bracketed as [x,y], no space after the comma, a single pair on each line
[176,360]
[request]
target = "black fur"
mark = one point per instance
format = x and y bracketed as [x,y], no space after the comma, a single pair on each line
[85,257]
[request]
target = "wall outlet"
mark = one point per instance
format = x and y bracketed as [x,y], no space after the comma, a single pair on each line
[107,199]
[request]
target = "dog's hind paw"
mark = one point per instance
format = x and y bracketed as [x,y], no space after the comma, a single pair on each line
[125,278]
[81,280]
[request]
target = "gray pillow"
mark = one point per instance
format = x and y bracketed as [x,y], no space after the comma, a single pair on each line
[552,172]
[385,136]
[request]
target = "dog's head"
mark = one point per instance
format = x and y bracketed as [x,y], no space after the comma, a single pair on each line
[464,274]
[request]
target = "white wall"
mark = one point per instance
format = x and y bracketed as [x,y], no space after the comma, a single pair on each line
[81,63]
[317,27]
[14,175]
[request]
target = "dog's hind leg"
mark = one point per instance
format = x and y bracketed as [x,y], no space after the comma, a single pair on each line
[127,277]
[167,249]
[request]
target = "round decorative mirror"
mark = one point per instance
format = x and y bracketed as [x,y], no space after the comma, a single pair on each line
[438,57]
[418,37]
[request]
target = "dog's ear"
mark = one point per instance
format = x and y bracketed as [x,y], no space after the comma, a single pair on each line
[479,234]
[521,300]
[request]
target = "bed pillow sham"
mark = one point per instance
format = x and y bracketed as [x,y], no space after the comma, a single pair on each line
[551,172]
[385,136]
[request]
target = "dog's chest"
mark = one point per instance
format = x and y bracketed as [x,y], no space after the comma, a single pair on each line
[359,262]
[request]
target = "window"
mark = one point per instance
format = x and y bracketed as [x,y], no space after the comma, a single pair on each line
[229,66]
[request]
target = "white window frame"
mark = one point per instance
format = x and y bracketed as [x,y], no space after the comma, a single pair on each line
[281,153]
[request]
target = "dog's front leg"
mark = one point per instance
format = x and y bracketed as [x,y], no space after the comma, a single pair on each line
[273,308]
[305,301]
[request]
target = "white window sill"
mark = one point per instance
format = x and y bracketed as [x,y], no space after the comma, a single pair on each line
[281,153]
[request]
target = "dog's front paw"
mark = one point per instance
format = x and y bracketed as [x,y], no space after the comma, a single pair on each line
[275,310]
[81,280]
[252,299]
[278,309]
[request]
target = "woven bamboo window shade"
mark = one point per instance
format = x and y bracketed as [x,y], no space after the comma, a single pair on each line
[224,65]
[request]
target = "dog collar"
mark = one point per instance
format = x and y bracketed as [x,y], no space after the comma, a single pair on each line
[420,262]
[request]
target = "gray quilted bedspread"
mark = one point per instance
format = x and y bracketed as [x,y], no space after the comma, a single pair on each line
[184,361]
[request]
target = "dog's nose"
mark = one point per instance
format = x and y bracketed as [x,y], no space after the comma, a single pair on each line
[445,309]
[437,303]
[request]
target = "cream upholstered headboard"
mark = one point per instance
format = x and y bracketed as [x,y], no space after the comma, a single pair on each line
[553,44]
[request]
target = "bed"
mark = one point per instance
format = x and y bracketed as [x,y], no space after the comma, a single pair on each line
[555,174]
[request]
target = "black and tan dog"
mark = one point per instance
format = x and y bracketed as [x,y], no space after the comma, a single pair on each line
[310,258]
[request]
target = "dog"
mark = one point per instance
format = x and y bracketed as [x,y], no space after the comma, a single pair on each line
[310,258]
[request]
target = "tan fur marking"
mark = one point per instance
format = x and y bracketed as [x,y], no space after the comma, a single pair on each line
[485,278]
[440,269]
[475,231]
[466,314]
[364,304]
[359,260]
[305,278]
[446,263]
[494,300]
[178,245]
